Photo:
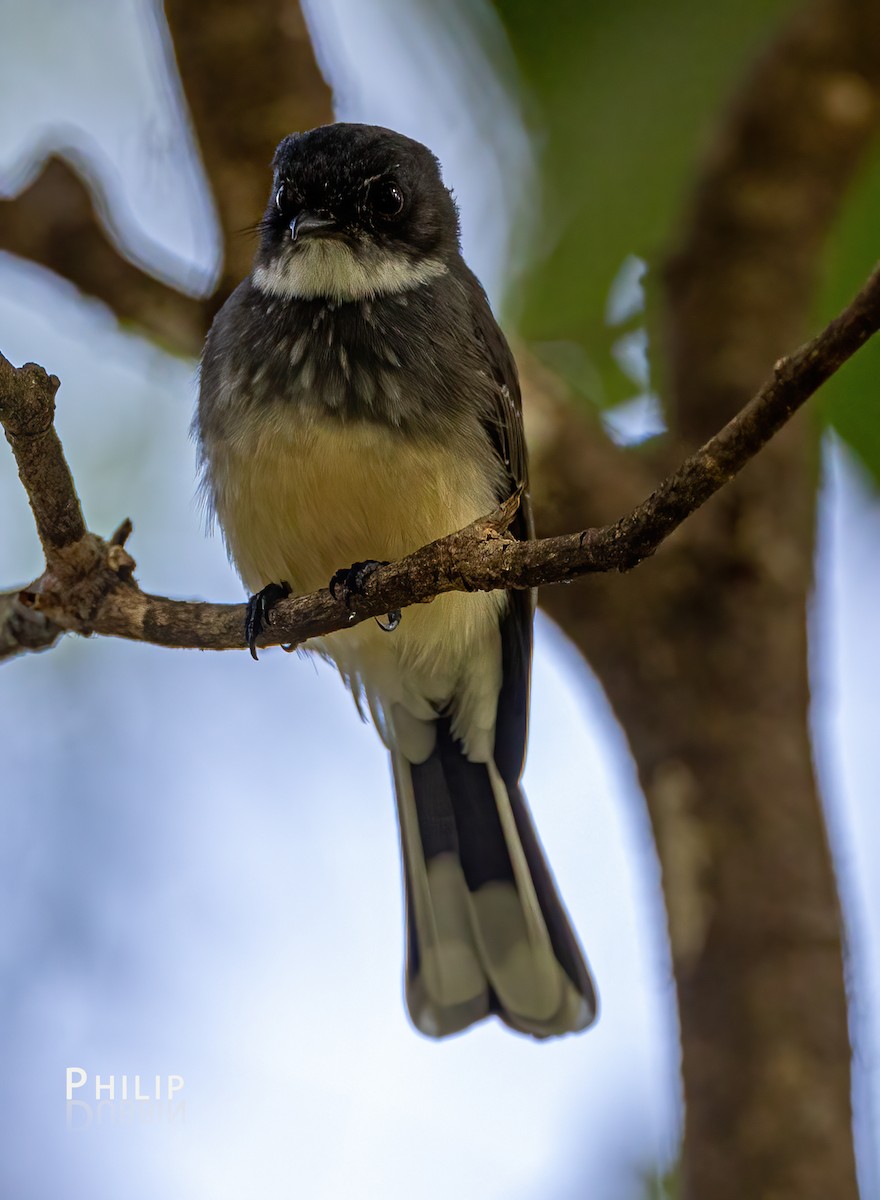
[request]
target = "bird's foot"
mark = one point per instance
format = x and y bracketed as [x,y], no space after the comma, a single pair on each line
[349,582]
[259,606]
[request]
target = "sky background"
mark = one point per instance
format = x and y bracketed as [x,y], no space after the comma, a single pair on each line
[198,856]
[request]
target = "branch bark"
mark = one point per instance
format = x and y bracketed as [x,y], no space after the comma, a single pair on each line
[21,628]
[88,585]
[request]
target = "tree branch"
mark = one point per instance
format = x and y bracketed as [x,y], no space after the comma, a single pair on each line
[22,628]
[62,221]
[88,584]
[250,77]
[27,410]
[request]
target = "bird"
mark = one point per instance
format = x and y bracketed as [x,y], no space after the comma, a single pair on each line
[357,400]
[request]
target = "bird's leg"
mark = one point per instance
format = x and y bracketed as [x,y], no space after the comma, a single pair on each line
[259,606]
[349,582]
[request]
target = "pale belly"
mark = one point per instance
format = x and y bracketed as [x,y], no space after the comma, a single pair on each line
[298,500]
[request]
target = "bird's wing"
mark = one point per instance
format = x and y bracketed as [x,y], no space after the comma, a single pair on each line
[504,425]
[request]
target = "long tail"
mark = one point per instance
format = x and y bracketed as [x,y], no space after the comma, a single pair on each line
[486,929]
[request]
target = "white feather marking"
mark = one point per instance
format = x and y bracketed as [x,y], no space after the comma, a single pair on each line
[512,935]
[524,972]
[330,268]
[449,967]
[414,738]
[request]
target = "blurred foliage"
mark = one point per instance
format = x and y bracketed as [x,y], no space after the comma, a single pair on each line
[850,401]
[622,96]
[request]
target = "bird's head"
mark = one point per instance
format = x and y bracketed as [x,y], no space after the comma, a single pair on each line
[355,211]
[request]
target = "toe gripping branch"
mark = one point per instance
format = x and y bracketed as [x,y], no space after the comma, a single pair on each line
[349,582]
[259,607]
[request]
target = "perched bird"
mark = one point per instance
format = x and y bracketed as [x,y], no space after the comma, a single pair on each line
[357,401]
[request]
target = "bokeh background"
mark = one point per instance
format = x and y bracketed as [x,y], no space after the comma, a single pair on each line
[198,858]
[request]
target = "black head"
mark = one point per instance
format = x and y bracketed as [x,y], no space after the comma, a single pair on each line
[354,210]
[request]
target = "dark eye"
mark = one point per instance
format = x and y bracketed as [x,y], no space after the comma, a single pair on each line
[386,199]
[284,197]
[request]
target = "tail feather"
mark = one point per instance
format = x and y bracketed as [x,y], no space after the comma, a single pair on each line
[446,986]
[487,931]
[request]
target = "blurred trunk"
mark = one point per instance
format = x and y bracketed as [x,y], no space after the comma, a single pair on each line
[250,77]
[703,653]
[703,658]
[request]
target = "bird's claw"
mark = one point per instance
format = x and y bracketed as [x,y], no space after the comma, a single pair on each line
[394,618]
[350,581]
[259,606]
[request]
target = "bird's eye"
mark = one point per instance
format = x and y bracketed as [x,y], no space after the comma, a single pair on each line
[387,199]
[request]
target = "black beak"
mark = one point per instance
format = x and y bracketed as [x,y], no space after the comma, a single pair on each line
[307,224]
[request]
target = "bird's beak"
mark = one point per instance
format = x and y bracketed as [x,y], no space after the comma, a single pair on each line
[307,224]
